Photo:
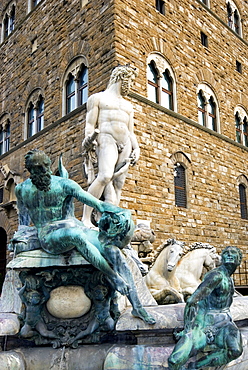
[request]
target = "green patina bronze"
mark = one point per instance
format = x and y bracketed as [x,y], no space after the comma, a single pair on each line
[208,325]
[47,202]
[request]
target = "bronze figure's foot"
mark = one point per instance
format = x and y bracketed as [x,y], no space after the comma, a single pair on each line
[143,315]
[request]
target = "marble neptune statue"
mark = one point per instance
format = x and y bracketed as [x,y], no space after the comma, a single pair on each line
[207,320]
[109,121]
[47,201]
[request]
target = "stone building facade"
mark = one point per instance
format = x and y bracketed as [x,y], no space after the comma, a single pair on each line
[189,98]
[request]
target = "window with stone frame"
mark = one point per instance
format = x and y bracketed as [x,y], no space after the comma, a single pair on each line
[8,24]
[160,6]
[161,87]
[75,85]
[233,17]
[181,164]
[241,125]
[238,66]
[180,185]
[32,4]
[153,87]
[208,112]
[242,183]
[205,2]
[243,201]
[204,39]
[202,113]
[34,117]
[166,90]
[4,134]
[212,114]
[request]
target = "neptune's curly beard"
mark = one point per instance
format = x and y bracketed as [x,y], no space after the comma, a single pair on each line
[42,182]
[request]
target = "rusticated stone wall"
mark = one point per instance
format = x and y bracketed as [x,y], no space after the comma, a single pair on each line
[125,31]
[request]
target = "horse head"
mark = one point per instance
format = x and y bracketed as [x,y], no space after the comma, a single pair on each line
[212,259]
[175,251]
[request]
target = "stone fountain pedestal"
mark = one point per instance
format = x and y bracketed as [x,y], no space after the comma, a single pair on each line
[133,345]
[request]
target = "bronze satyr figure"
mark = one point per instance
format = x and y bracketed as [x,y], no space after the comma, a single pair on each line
[207,320]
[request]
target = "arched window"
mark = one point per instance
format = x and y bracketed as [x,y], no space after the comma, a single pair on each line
[161,87]
[201,109]
[8,21]
[6,26]
[212,114]
[241,125]
[70,94]
[153,87]
[34,113]
[12,19]
[160,6]
[245,132]
[180,186]
[1,141]
[243,201]
[229,15]
[36,2]
[31,121]
[238,127]
[208,114]
[236,22]
[4,134]
[167,92]
[7,137]
[32,4]
[83,86]
[233,17]
[75,85]
[40,114]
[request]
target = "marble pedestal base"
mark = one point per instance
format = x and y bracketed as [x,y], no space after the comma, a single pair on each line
[134,345]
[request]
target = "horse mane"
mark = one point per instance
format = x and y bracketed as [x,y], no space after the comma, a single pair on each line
[197,245]
[158,251]
[162,246]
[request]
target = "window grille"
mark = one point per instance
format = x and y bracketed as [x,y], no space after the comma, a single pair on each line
[243,201]
[204,39]
[180,186]
[238,66]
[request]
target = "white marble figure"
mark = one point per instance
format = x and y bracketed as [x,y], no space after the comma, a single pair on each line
[195,258]
[178,270]
[161,279]
[109,130]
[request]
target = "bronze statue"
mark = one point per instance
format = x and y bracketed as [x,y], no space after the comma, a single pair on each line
[47,201]
[207,319]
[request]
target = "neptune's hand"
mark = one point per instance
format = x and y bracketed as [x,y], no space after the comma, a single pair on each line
[108,207]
